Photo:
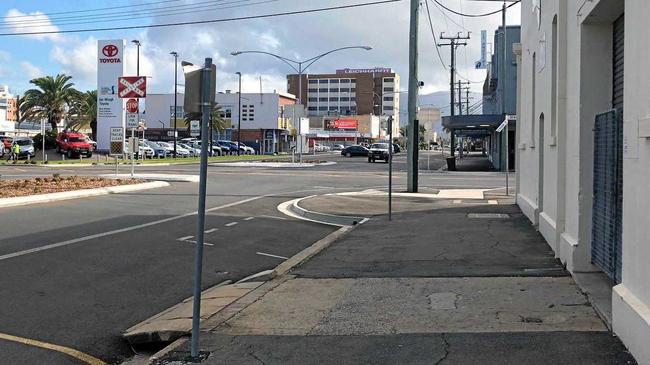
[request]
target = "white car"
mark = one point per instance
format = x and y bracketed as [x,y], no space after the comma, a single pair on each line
[180,151]
[246,149]
[194,151]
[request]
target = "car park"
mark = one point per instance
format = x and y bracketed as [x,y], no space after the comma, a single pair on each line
[355,150]
[378,151]
[158,151]
[73,144]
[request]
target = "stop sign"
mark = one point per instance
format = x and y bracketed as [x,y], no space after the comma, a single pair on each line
[132,105]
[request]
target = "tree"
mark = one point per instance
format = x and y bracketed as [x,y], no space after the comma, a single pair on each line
[217,118]
[422,129]
[50,101]
[83,112]
[403,131]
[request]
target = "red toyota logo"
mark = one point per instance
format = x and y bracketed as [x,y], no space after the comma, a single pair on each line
[109,50]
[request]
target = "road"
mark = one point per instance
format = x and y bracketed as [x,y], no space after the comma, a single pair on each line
[77,273]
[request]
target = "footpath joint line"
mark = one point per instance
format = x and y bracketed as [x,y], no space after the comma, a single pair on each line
[88,359]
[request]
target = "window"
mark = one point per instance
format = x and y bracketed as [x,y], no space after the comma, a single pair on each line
[334,99]
[179,112]
[388,98]
[313,90]
[313,81]
[354,89]
[389,89]
[312,99]
[323,89]
[344,98]
[389,79]
[322,99]
[322,81]
[322,108]
[312,108]
[353,99]
[345,89]
[334,81]
[353,81]
[388,107]
[334,90]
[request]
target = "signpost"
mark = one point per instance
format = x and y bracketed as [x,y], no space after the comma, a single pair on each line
[195,128]
[132,87]
[116,144]
[504,126]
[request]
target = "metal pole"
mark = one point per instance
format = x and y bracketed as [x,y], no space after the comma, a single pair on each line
[43,135]
[390,168]
[200,223]
[175,98]
[412,148]
[300,103]
[507,158]
[132,151]
[239,118]
[503,88]
[453,77]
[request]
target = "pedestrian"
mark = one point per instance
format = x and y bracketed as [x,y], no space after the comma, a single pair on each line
[15,151]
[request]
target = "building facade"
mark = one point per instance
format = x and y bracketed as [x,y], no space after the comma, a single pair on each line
[266,118]
[9,104]
[431,119]
[348,92]
[583,145]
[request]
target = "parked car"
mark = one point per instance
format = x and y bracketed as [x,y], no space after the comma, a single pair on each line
[338,147]
[73,144]
[378,151]
[158,150]
[355,150]
[194,151]
[5,146]
[234,147]
[26,147]
[247,149]
[226,147]
[145,151]
[216,149]
[321,148]
[396,148]
[93,144]
[180,151]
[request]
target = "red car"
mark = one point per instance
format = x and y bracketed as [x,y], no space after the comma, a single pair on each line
[5,146]
[73,144]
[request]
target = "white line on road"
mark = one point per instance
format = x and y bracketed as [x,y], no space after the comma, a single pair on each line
[269,255]
[231,224]
[122,230]
[194,242]
[183,238]
[249,218]
[209,230]
[272,217]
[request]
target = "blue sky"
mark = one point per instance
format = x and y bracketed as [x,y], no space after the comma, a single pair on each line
[384,27]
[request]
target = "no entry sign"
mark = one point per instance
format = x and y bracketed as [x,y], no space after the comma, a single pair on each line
[132,87]
[132,106]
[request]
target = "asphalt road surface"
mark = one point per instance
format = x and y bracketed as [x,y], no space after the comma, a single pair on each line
[78,273]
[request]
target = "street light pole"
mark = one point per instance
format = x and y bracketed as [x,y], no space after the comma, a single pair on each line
[299,68]
[137,73]
[175,54]
[239,116]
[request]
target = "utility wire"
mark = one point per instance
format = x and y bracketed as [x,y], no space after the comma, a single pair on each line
[222,20]
[117,14]
[433,33]
[92,10]
[475,15]
[120,19]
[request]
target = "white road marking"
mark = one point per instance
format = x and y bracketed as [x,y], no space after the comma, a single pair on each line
[269,255]
[211,230]
[249,218]
[231,224]
[273,217]
[204,243]
[183,238]
[122,230]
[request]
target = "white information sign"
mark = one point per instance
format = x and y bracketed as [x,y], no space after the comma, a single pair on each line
[117,134]
[131,120]
[110,108]
[195,128]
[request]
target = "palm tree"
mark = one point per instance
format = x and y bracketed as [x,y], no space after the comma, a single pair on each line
[422,129]
[217,118]
[403,131]
[50,101]
[83,112]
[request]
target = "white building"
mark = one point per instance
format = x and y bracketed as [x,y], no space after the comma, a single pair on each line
[583,167]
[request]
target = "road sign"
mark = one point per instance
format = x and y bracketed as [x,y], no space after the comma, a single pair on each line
[502,125]
[117,140]
[131,120]
[172,134]
[195,128]
[132,87]
[132,106]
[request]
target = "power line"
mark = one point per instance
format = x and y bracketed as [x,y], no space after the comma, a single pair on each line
[91,10]
[433,33]
[475,15]
[222,20]
[112,18]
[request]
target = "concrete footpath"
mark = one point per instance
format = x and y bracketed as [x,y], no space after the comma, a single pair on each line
[464,281]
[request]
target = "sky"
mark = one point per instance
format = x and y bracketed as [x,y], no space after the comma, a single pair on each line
[384,27]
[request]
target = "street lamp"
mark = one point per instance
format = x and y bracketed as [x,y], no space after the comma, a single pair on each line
[300,68]
[138,44]
[175,54]
[239,116]
[137,68]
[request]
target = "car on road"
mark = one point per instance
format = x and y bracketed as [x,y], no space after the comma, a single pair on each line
[26,147]
[338,147]
[355,150]
[73,144]
[378,151]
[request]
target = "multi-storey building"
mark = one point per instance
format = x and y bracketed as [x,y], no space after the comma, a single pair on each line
[349,92]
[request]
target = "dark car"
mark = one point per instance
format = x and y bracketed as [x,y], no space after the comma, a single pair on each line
[226,148]
[354,151]
[378,151]
[396,148]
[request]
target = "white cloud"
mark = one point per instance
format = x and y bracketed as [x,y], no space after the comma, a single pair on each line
[77,58]
[30,70]
[19,22]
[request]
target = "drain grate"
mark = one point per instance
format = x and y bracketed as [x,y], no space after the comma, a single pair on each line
[488,215]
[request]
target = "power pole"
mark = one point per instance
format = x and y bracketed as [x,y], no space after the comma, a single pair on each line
[454,43]
[467,99]
[414,83]
[460,97]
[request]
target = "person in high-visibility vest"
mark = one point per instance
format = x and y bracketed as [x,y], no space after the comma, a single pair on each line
[15,151]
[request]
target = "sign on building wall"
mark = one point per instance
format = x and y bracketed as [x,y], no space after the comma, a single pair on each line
[364,70]
[110,66]
[345,124]
[482,63]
